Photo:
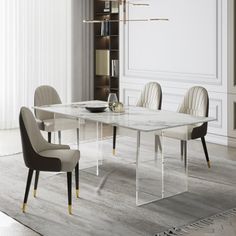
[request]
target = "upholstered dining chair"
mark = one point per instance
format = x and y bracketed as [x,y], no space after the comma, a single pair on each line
[39,155]
[151,97]
[195,102]
[47,95]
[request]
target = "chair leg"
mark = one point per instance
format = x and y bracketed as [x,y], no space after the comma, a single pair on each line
[181,149]
[185,154]
[156,147]
[30,174]
[77,179]
[59,137]
[205,151]
[49,137]
[69,180]
[77,135]
[114,140]
[36,182]
[157,144]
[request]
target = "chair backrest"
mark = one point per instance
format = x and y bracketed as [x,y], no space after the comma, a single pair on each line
[195,102]
[45,95]
[33,143]
[151,96]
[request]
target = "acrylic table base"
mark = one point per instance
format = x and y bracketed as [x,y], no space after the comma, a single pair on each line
[161,175]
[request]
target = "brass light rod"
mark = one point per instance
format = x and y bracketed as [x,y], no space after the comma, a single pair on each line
[132,20]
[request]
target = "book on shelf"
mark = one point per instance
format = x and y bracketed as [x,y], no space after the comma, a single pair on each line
[105,28]
[102,62]
[115,68]
[115,7]
[107,6]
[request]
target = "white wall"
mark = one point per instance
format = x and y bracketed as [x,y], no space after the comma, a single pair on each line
[35,49]
[193,48]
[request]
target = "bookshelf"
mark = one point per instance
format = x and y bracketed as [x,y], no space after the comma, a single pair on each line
[106,49]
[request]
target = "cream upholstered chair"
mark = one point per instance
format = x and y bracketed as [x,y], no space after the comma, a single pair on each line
[39,155]
[47,95]
[151,97]
[195,102]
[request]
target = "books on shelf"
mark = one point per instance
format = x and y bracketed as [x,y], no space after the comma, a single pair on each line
[105,28]
[107,6]
[102,62]
[115,68]
[115,7]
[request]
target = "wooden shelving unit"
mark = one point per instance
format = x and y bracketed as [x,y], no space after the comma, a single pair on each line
[106,50]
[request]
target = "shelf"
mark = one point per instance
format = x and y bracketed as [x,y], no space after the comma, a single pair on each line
[103,87]
[114,77]
[112,35]
[104,84]
[102,13]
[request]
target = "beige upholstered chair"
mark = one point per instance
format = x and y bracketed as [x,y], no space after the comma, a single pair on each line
[151,97]
[47,95]
[195,102]
[39,155]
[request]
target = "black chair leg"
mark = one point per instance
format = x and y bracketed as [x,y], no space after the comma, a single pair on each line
[114,140]
[36,182]
[30,174]
[185,149]
[182,149]
[205,151]
[49,137]
[77,180]
[69,179]
[59,137]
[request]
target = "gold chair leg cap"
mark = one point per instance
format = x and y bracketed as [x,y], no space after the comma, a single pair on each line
[209,164]
[114,152]
[35,192]
[77,193]
[23,207]
[70,209]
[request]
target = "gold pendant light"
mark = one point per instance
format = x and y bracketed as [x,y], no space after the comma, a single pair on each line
[123,4]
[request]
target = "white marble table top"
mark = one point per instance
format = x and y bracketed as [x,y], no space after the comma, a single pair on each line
[136,118]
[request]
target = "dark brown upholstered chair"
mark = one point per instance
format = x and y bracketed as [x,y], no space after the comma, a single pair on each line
[39,155]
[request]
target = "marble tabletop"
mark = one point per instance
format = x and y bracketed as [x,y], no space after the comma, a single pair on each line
[135,118]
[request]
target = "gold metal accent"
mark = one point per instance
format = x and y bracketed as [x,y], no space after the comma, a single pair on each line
[124,4]
[23,207]
[114,152]
[124,20]
[77,193]
[35,192]
[209,164]
[70,209]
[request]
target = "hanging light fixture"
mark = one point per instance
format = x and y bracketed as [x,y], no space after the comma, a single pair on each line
[124,4]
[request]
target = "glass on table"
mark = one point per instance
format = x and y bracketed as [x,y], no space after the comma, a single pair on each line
[112,98]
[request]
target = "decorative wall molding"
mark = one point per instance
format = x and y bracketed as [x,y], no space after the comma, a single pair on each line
[181,76]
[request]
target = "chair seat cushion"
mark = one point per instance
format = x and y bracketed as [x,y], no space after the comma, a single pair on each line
[181,133]
[69,158]
[58,124]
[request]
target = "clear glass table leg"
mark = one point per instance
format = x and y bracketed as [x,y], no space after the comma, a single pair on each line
[137,166]
[97,125]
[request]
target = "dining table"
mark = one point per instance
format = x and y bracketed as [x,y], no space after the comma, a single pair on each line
[155,178]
